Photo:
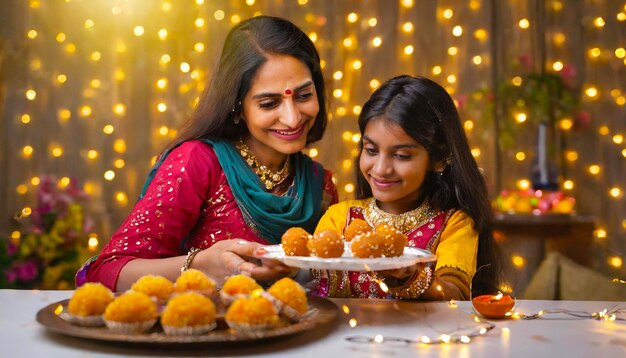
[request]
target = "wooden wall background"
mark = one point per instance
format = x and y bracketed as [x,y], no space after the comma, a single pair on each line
[96,105]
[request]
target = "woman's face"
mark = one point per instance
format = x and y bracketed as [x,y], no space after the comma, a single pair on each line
[394,165]
[280,109]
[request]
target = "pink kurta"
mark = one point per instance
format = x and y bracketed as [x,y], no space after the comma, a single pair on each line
[188,204]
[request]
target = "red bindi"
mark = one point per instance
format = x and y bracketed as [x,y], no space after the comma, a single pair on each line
[288,92]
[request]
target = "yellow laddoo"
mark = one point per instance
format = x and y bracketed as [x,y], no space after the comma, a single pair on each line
[188,314]
[292,296]
[154,286]
[248,314]
[356,228]
[238,286]
[393,241]
[87,304]
[90,299]
[326,244]
[368,245]
[294,242]
[194,280]
[132,312]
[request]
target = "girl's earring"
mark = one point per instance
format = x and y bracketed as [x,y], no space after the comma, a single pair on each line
[236,119]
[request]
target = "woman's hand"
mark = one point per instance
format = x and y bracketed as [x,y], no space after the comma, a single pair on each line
[231,257]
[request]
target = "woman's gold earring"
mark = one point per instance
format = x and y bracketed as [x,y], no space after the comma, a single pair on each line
[237,116]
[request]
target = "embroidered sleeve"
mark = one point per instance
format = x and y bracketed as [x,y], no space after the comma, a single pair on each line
[164,216]
[456,277]
[415,286]
[458,245]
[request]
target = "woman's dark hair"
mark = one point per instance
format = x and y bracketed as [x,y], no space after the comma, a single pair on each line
[427,113]
[246,48]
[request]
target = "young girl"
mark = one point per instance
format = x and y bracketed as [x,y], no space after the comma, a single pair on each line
[417,174]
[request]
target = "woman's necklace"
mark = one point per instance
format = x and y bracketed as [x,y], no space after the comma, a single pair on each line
[404,222]
[269,179]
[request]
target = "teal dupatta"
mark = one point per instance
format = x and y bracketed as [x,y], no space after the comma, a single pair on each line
[267,214]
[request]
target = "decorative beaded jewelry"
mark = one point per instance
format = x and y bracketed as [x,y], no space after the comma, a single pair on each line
[416,286]
[190,256]
[269,179]
[404,222]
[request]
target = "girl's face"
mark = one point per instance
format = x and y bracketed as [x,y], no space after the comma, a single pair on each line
[393,164]
[280,109]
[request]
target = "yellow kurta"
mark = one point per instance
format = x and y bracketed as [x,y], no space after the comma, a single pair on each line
[455,244]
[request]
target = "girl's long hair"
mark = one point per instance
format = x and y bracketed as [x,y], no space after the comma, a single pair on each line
[427,113]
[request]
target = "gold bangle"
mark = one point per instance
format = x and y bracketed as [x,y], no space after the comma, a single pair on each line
[416,286]
[190,256]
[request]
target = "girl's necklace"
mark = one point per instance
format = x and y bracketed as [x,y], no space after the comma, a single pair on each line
[404,222]
[269,179]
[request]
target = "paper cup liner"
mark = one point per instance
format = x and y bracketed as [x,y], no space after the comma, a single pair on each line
[83,321]
[189,330]
[130,327]
[250,330]
[278,304]
[227,299]
[160,301]
[293,315]
[285,310]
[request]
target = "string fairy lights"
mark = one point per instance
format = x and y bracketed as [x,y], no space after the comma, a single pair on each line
[464,333]
[617,313]
[461,333]
[105,71]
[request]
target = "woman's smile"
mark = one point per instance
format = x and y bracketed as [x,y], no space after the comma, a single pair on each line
[289,134]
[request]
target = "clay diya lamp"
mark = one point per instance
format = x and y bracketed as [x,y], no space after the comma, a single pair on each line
[493,306]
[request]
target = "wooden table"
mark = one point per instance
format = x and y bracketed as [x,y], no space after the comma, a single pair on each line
[556,336]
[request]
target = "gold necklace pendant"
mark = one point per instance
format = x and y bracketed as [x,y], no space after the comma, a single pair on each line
[404,222]
[269,179]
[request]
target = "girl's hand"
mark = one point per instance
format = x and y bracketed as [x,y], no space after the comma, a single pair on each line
[399,276]
[230,257]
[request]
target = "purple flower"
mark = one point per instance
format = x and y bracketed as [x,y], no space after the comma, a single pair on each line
[27,271]
[11,275]
[74,190]
[11,248]
[55,205]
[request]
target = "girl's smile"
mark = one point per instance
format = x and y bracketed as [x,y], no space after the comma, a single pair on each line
[394,165]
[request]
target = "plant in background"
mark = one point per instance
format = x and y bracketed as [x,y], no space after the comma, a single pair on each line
[548,105]
[544,100]
[51,241]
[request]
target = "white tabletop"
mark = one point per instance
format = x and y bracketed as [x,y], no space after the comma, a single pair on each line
[551,336]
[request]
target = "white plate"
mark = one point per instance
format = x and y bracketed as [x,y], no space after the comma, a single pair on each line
[347,262]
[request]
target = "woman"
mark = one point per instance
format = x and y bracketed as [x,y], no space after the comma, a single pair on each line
[416,173]
[235,178]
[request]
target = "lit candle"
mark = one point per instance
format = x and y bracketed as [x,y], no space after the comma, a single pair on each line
[493,306]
